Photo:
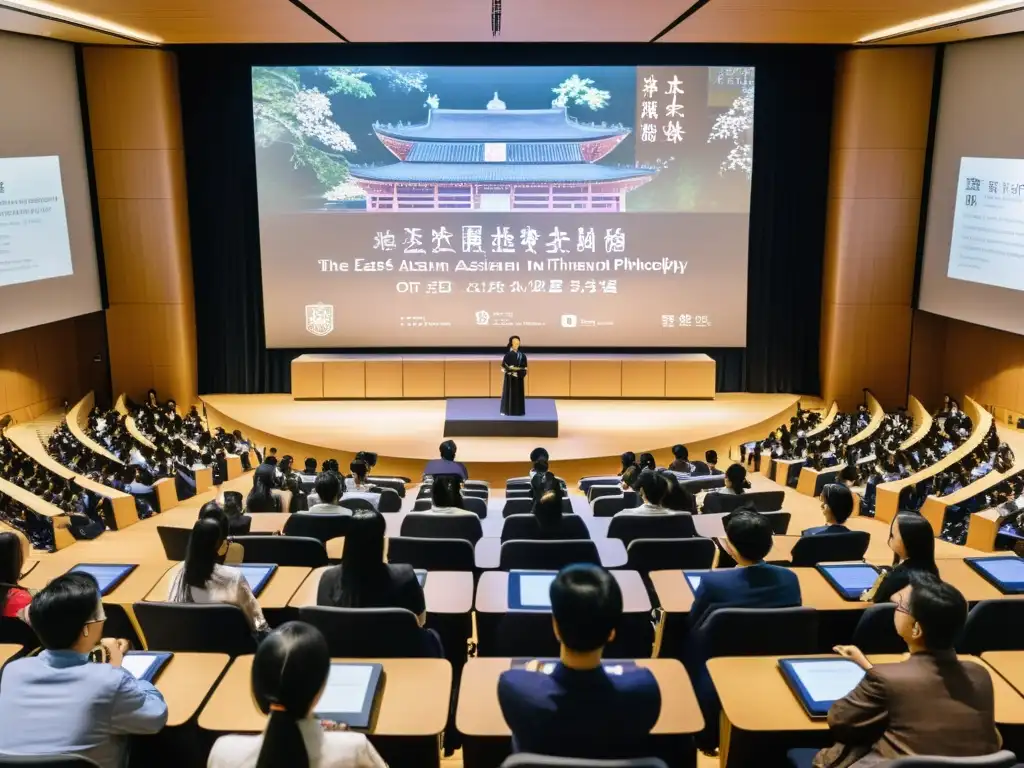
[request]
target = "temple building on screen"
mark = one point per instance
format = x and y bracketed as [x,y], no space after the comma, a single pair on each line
[499,159]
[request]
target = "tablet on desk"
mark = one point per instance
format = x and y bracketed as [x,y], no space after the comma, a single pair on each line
[818,683]
[530,590]
[1004,573]
[257,575]
[421,576]
[145,665]
[349,694]
[693,579]
[850,580]
[107,576]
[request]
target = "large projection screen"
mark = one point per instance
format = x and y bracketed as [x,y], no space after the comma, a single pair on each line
[48,268]
[973,268]
[431,207]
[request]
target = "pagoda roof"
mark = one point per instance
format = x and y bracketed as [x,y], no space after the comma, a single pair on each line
[473,152]
[499,125]
[498,173]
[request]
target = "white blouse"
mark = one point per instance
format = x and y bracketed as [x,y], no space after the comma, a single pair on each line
[334,749]
[645,509]
[226,585]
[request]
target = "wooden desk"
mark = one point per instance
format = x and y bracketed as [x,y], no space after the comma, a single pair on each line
[58,520]
[781,469]
[1009,664]
[611,551]
[132,590]
[449,592]
[492,592]
[8,651]
[479,714]
[276,594]
[185,682]
[414,702]
[878,551]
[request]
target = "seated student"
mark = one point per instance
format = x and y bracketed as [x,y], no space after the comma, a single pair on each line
[930,704]
[628,459]
[912,542]
[364,580]
[14,600]
[677,497]
[357,482]
[681,463]
[646,461]
[289,673]
[59,702]
[538,454]
[711,459]
[446,465]
[735,480]
[237,525]
[328,494]
[202,578]
[446,496]
[262,497]
[579,710]
[547,508]
[308,473]
[651,487]
[836,506]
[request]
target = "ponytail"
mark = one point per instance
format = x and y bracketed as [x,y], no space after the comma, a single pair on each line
[282,741]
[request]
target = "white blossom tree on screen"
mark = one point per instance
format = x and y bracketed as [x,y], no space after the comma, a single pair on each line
[737,125]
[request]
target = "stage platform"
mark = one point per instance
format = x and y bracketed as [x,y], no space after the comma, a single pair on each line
[481,417]
[591,433]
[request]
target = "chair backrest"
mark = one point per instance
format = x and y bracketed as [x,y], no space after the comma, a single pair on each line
[441,525]
[371,632]
[760,632]
[479,493]
[779,521]
[517,506]
[546,555]
[14,631]
[1003,759]
[608,506]
[586,482]
[830,548]
[317,526]
[700,469]
[697,484]
[389,500]
[422,504]
[678,525]
[393,483]
[174,541]
[354,504]
[517,484]
[989,627]
[646,555]
[526,760]
[597,491]
[195,627]
[432,554]
[527,527]
[475,504]
[875,631]
[46,761]
[763,501]
[301,551]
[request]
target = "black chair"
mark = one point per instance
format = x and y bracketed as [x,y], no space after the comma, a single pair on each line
[526,760]
[359,633]
[316,526]
[46,761]
[586,482]
[517,506]
[830,548]
[355,504]
[804,758]
[875,631]
[779,521]
[14,631]
[389,501]
[763,501]
[697,484]
[479,493]
[527,527]
[609,506]
[990,625]
[422,504]
[174,541]
[517,485]
[546,555]
[760,632]
[395,484]
[646,555]
[678,525]
[700,469]
[475,504]
[432,554]
[478,485]
[299,551]
[597,491]
[440,525]
[195,627]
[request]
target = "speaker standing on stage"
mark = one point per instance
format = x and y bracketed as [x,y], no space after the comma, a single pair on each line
[513,391]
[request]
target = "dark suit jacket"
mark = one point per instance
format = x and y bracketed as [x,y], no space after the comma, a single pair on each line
[445,467]
[825,529]
[576,713]
[930,704]
[757,586]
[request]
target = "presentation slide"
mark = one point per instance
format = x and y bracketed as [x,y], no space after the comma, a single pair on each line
[456,206]
[973,265]
[34,241]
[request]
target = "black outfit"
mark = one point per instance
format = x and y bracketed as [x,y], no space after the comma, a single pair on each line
[513,391]
[898,578]
[396,586]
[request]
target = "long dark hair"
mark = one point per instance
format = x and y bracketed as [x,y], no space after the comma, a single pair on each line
[547,500]
[509,346]
[628,459]
[446,491]
[362,562]
[262,494]
[12,560]
[288,673]
[918,540]
[207,537]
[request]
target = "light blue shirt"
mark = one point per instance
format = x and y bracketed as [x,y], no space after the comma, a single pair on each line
[60,703]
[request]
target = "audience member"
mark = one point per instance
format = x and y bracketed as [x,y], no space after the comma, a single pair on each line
[646,461]
[357,482]
[912,542]
[711,459]
[308,473]
[446,465]
[931,704]
[237,525]
[203,579]
[677,496]
[328,494]
[836,507]
[262,497]
[289,674]
[60,703]
[651,487]
[547,508]
[446,496]
[735,480]
[681,462]
[578,709]
[537,455]
[628,459]
[14,600]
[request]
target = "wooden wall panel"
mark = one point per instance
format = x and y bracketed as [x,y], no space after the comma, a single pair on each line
[343,379]
[384,378]
[595,378]
[642,378]
[467,378]
[548,378]
[423,378]
[135,125]
[880,131]
[307,380]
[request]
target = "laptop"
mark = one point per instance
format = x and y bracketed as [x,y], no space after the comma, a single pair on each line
[850,580]
[530,590]
[107,575]
[350,694]
[257,575]
[1005,573]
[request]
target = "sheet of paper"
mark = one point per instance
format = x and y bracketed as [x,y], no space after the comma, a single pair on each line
[694,580]
[138,664]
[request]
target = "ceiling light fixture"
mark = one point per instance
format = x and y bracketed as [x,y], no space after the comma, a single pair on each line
[955,16]
[98,23]
[495,18]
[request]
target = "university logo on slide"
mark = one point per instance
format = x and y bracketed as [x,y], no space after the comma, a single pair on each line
[319,319]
